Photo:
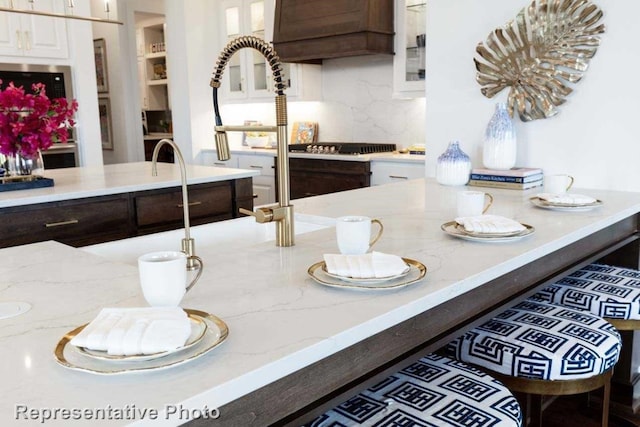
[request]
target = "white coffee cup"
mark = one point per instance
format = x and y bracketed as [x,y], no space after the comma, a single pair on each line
[557,184]
[163,277]
[473,203]
[354,234]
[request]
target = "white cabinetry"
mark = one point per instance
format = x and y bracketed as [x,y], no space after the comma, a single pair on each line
[152,65]
[264,185]
[409,61]
[248,77]
[384,172]
[32,35]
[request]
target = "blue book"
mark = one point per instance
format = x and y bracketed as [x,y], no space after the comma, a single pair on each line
[506,178]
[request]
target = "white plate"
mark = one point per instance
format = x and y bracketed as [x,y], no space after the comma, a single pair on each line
[564,207]
[71,357]
[416,272]
[453,229]
[364,281]
[198,329]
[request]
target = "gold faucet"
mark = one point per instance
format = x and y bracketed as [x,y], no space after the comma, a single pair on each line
[282,213]
[188,244]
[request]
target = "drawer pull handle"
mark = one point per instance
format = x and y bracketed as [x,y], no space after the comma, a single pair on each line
[58,224]
[255,196]
[311,194]
[219,163]
[398,177]
[255,167]
[190,204]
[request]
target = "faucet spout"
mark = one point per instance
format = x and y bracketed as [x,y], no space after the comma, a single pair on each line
[188,244]
[282,213]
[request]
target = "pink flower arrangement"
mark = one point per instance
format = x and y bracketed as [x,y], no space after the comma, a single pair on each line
[32,122]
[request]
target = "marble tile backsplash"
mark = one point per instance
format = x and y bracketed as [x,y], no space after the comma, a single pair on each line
[357,105]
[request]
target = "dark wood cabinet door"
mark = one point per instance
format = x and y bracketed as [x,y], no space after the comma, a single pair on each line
[74,222]
[313,177]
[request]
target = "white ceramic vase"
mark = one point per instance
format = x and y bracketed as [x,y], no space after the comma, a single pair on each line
[499,149]
[454,166]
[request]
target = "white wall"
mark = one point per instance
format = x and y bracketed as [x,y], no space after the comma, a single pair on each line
[595,135]
[191,35]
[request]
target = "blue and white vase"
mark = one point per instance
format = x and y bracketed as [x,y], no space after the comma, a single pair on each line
[499,149]
[454,166]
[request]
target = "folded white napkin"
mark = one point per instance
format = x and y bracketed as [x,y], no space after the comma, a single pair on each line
[567,198]
[132,331]
[489,224]
[366,266]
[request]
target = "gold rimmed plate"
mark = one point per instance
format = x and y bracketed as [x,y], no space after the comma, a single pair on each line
[365,280]
[452,228]
[72,357]
[198,329]
[460,228]
[414,274]
[569,207]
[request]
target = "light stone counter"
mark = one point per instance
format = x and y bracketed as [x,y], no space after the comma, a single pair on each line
[382,157]
[90,181]
[280,320]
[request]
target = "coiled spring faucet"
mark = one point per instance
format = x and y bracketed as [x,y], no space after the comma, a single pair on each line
[282,213]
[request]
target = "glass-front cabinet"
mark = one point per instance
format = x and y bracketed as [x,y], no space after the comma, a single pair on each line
[409,62]
[247,75]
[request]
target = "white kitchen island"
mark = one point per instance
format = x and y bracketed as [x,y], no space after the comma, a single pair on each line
[292,341]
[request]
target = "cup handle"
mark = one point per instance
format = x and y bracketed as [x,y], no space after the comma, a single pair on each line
[375,239]
[570,182]
[488,205]
[198,274]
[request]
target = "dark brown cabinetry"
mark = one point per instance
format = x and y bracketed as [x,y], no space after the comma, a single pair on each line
[74,222]
[101,219]
[163,209]
[313,30]
[312,177]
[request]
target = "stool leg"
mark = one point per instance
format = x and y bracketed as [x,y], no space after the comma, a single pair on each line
[605,402]
[536,410]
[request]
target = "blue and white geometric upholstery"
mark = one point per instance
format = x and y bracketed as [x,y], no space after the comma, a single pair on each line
[435,391]
[607,291]
[541,341]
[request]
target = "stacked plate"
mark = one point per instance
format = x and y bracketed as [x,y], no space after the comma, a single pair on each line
[455,229]
[414,272]
[576,203]
[207,332]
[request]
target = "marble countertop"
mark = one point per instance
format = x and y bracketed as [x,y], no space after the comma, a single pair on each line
[377,157]
[81,182]
[280,320]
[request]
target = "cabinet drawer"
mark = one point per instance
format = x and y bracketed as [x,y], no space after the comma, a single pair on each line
[165,206]
[264,164]
[72,222]
[387,172]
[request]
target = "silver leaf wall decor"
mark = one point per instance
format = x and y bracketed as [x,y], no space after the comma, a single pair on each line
[538,54]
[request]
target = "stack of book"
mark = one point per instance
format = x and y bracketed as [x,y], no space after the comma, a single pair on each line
[514,178]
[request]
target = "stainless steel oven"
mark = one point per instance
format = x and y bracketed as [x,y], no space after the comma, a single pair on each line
[58,84]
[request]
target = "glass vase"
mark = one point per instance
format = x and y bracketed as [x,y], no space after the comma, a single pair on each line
[499,149]
[20,165]
[454,166]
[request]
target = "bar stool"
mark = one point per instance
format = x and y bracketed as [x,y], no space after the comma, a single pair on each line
[543,349]
[610,292]
[434,391]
